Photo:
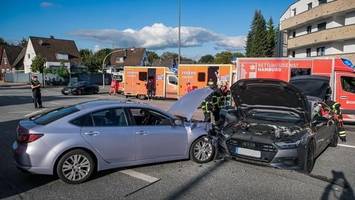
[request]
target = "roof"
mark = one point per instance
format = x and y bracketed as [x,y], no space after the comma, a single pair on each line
[19,60]
[1,50]
[49,47]
[12,52]
[132,56]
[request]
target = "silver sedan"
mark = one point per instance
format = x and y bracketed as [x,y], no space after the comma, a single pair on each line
[73,142]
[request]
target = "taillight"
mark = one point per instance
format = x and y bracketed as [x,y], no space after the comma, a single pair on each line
[27,138]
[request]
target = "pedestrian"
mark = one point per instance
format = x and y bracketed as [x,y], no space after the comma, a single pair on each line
[150,88]
[113,88]
[188,87]
[36,92]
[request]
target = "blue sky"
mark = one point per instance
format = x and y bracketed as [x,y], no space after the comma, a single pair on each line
[209,26]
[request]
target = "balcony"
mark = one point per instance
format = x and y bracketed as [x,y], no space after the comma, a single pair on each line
[321,11]
[328,35]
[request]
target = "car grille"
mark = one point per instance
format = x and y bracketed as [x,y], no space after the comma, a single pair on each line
[268,151]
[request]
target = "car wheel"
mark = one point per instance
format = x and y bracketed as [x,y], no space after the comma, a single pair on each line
[75,167]
[141,97]
[309,159]
[334,140]
[202,150]
[96,91]
[64,93]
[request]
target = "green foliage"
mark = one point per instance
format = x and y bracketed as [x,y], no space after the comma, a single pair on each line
[238,55]
[271,38]
[206,59]
[152,56]
[38,64]
[94,60]
[62,72]
[258,44]
[3,42]
[224,57]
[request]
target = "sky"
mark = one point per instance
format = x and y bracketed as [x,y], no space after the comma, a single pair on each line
[208,26]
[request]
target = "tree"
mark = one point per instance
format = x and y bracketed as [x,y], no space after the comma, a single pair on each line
[22,43]
[38,65]
[257,37]
[238,55]
[98,58]
[206,59]
[86,57]
[152,56]
[224,57]
[3,42]
[271,38]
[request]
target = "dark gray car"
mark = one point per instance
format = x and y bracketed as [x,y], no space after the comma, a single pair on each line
[274,126]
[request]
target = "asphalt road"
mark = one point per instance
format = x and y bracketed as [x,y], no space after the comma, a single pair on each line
[333,176]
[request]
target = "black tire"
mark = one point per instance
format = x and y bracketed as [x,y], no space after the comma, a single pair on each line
[141,97]
[204,155]
[334,140]
[96,91]
[309,159]
[82,170]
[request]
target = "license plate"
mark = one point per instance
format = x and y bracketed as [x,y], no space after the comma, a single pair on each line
[248,152]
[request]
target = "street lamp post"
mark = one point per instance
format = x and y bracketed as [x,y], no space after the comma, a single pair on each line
[179,13]
[103,65]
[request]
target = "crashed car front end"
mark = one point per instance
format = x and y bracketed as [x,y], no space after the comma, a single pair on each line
[272,131]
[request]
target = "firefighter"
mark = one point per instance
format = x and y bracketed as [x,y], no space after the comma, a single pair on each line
[335,107]
[36,92]
[206,107]
[150,88]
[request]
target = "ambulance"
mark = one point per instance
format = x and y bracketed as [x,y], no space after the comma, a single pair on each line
[136,77]
[341,73]
[196,76]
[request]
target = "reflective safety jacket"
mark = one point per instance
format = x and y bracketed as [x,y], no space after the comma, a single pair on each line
[335,106]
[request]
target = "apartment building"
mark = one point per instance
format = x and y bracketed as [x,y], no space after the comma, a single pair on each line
[314,28]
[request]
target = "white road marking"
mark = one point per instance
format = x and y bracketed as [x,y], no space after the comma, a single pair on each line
[345,145]
[135,174]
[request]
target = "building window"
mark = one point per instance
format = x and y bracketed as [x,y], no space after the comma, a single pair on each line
[322,1]
[142,76]
[61,56]
[322,26]
[294,34]
[293,54]
[28,56]
[320,51]
[201,77]
[308,52]
[294,11]
[309,29]
[310,6]
[5,61]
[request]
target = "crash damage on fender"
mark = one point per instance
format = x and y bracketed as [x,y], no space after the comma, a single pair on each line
[273,126]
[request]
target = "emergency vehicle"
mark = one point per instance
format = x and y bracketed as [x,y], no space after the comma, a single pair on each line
[136,77]
[194,76]
[342,76]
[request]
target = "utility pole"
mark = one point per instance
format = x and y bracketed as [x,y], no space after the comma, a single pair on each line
[179,13]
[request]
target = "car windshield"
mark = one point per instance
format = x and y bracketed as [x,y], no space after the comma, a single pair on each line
[76,84]
[279,116]
[312,87]
[53,115]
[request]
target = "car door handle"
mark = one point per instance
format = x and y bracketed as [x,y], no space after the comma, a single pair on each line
[142,133]
[343,97]
[92,133]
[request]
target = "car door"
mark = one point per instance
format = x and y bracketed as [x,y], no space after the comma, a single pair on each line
[322,133]
[110,135]
[156,137]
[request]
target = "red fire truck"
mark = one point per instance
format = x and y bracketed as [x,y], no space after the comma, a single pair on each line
[342,76]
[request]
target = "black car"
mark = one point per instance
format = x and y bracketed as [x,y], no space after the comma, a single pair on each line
[81,87]
[274,126]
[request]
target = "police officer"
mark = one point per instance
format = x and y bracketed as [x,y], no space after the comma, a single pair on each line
[335,106]
[36,92]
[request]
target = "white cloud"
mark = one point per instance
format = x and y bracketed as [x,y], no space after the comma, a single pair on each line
[160,36]
[97,48]
[46,4]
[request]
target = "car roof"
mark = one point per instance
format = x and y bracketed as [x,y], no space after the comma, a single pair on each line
[103,103]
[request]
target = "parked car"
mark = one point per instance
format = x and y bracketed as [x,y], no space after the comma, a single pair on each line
[81,87]
[274,126]
[75,141]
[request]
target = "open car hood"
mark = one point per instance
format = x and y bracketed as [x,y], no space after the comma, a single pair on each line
[268,93]
[188,104]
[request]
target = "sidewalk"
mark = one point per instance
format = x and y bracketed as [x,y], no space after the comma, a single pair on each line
[13,85]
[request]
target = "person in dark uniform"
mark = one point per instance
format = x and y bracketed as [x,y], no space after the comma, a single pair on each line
[36,92]
[150,88]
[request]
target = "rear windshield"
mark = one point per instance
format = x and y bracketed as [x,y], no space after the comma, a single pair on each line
[53,115]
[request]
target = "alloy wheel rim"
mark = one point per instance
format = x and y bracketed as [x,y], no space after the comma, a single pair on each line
[203,150]
[76,167]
